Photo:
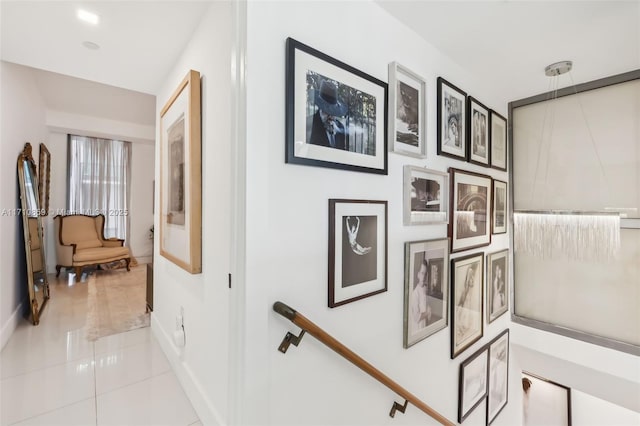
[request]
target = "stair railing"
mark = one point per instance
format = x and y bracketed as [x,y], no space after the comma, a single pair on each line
[309,327]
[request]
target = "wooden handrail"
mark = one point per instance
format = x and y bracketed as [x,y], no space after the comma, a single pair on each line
[309,327]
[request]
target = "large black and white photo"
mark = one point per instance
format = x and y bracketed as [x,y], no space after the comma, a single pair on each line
[478,132]
[467,283]
[425,292]
[498,391]
[357,249]
[499,220]
[336,115]
[472,386]
[451,120]
[426,195]
[407,106]
[470,222]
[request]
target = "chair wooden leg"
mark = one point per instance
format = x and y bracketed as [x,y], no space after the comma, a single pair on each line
[58,267]
[78,272]
[128,260]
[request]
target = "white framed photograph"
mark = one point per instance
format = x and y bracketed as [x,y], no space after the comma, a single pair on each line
[426,295]
[472,388]
[357,250]
[478,132]
[497,284]
[498,391]
[452,110]
[426,196]
[499,217]
[408,110]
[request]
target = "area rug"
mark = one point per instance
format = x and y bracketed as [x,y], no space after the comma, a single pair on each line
[116,302]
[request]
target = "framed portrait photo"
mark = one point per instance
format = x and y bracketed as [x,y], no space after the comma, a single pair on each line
[452,109]
[498,137]
[498,391]
[477,132]
[181,175]
[426,196]
[426,283]
[408,106]
[545,402]
[357,250]
[497,284]
[470,219]
[499,216]
[336,115]
[467,284]
[472,387]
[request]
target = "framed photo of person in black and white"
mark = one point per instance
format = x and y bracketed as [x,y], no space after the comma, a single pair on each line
[467,284]
[426,282]
[499,219]
[426,196]
[498,391]
[472,387]
[357,250]
[498,137]
[452,109]
[336,115]
[478,132]
[408,107]
[470,224]
[497,284]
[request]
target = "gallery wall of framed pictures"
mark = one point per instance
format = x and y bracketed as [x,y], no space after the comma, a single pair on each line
[372,132]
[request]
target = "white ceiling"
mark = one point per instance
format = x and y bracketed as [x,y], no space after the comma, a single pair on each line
[505,43]
[509,43]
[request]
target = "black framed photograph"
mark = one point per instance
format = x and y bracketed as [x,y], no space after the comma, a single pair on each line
[499,217]
[336,115]
[467,284]
[477,132]
[498,391]
[426,282]
[426,196]
[357,250]
[545,402]
[452,111]
[497,284]
[470,223]
[408,107]
[472,387]
[498,138]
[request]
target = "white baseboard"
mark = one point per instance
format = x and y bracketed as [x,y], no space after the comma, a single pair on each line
[9,327]
[204,408]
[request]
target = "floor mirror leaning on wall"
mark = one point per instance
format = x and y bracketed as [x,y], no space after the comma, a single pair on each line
[31,213]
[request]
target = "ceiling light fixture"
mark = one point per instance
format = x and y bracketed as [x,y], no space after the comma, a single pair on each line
[575,235]
[88,17]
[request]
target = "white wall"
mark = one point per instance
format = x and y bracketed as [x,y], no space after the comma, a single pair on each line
[142,175]
[287,235]
[22,120]
[587,410]
[203,364]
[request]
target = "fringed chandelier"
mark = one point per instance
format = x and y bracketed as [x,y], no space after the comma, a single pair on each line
[562,234]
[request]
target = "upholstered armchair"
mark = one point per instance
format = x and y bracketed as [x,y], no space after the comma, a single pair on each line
[80,242]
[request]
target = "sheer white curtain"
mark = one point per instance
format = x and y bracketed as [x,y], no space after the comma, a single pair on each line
[100,180]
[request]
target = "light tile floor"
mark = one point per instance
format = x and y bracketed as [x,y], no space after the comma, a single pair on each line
[51,374]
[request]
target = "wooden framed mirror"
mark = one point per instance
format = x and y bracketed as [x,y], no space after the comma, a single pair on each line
[37,283]
[44,178]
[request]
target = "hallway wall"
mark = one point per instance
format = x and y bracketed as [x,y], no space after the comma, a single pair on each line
[287,228]
[22,120]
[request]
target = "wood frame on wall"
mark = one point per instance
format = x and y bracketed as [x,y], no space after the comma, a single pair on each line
[181,176]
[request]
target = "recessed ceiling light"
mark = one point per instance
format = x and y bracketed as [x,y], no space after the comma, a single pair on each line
[89,17]
[91,45]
